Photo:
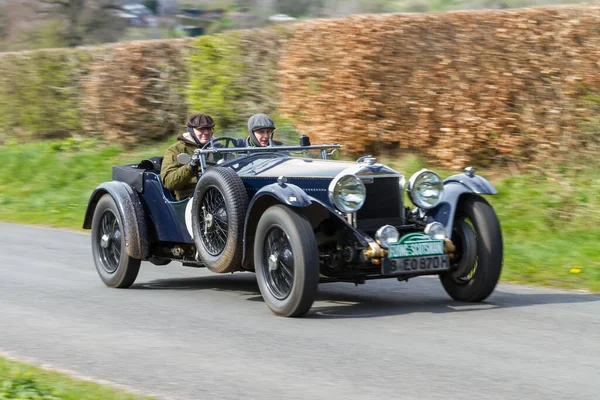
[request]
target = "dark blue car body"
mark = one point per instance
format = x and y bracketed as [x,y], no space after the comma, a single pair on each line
[297,221]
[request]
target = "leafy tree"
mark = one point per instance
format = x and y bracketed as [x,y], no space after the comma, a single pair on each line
[152,5]
[298,8]
[86,21]
[4,22]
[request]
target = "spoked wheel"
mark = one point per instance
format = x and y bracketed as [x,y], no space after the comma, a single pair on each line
[465,240]
[213,222]
[218,212]
[115,267]
[286,260]
[278,256]
[477,264]
[109,245]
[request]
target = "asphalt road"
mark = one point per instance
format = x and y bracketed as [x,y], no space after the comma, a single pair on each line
[185,333]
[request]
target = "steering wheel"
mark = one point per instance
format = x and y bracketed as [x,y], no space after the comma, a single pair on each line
[228,142]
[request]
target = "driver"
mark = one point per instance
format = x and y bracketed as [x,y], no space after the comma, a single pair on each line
[181,179]
[261,129]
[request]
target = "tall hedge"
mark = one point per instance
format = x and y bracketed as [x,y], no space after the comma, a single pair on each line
[233,75]
[136,91]
[464,87]
[494,86]
[41,93]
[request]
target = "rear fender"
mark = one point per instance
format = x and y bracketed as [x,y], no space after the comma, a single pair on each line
[455,187]
[132,214]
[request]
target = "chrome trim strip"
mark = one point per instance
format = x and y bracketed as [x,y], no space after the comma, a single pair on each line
[402,184]
[268,149]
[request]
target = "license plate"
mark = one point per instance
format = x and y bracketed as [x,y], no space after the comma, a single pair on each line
[416,245]
[415,265]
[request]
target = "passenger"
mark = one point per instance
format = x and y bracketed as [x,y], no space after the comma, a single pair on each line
[182,179]
[261,130]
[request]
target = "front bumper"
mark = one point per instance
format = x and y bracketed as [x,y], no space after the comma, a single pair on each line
[375,252]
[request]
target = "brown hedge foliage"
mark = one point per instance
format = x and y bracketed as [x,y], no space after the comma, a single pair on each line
[464,87]
[260,52]
[136,91]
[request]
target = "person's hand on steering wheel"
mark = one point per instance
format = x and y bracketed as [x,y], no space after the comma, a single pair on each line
[195,161]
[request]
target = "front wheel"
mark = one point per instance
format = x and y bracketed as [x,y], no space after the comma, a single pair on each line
[115,267]
[286,260]
[477,262]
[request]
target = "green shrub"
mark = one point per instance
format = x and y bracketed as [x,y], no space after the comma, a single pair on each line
[22,386]
[40,93]
[214,66]
[233,74]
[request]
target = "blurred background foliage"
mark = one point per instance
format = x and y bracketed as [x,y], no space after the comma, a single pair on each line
[497,89]
[36,24]
[233,75]
[489,88]
[41,93]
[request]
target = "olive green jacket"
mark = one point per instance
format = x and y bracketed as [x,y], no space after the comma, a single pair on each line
[180,179]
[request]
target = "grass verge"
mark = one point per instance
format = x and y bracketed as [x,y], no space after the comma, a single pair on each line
[23,381]
[550,220]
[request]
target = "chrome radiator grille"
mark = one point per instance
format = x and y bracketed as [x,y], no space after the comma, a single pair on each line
[384,204]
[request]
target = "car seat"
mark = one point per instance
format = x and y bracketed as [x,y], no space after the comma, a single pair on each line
[154,164]
[151,164]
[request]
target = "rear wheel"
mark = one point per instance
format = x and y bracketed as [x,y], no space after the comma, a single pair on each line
[115,267]
[477,264]
[286,260]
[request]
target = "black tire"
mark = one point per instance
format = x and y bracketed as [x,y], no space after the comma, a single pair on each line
[115,267]
[219,228]
[475,224]
[288,236]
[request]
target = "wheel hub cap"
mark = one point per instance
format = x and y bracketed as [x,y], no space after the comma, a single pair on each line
[273,262]
[209,220]
[105,241]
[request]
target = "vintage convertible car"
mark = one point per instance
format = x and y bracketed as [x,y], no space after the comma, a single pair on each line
[298,221]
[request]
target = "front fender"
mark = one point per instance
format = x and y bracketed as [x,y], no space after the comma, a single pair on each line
[287,194]
[132,214]
[475,183]
[267,196]
[315,210]
[456,186]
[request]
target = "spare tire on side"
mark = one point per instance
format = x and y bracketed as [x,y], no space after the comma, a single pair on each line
[218,212]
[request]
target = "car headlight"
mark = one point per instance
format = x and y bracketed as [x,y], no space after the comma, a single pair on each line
[425,189]
[435,230]
[348,193]
[387,235]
